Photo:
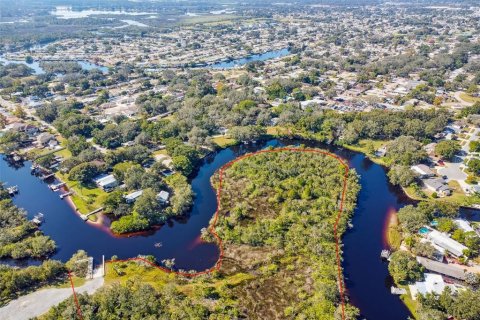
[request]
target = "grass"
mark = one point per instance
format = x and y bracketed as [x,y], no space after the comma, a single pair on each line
[363,146]
[409,302]
[468,98]
[85,199]
[77,282]
[393,235]
[224,142]
[122,272]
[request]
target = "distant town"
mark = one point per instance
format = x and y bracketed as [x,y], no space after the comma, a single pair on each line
[116,117]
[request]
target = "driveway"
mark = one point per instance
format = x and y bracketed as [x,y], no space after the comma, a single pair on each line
[455,170]
[39,302]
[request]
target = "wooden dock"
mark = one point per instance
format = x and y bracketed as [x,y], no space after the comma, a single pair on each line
[47,176]
[85,216]
[66,194]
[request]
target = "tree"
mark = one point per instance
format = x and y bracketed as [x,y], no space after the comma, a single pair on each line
[406,150]
[46,161]
[77,144]
[401,175]
[148,206]
[447,149]
[182,164]
[19,112]
[78,263]
[403,267]
[424,249]
[474,166]
[466,306]
[84,172]
[445,225]
[474,146]
[412,218]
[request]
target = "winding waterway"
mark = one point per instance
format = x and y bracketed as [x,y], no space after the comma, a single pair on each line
[256,57]
[366,276]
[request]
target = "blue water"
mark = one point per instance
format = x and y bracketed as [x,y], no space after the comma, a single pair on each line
[35,65]
[423,231]
[256,57]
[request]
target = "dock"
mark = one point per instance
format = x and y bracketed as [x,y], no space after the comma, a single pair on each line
[385,254]
[47,176]
[12,190]
[66,194]
[57,186]
[38,218]
[399,291]
[85,216]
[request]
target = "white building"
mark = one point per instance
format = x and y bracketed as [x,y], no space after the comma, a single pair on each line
[423,171]
[106,182]
[444,241]
[132,197]
[433,284]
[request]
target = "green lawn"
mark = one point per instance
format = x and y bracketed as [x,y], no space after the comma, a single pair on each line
[86,199]
[224,142]
[468,98]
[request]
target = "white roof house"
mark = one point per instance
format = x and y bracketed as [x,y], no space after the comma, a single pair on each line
[433,284]
[444,241]
[423,170]
[106,181]
[464,225]
[132,197]
[162,196]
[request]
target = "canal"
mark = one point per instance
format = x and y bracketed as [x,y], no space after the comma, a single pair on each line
[366,276]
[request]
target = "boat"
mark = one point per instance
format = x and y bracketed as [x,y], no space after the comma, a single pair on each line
[385,254]
[38,218]
[157,245]
[12,190]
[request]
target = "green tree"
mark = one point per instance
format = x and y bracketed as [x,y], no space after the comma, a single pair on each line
[84,172]
[412,218]
[401,175]
[474,166]
[78,263]
[182,164]
[403,267]
[406,150]
[447,149]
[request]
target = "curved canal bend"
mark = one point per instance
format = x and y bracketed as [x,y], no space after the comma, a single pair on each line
[366,276]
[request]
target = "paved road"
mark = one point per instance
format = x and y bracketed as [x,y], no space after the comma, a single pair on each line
[39,302]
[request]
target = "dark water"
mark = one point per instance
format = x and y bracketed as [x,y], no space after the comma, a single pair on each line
[366,275]
[256,57]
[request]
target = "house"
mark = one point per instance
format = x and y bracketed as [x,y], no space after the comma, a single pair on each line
[423,171]
[44,138]
[106,182]
[438,186]
[439,252]
[444,241]
[162,197]
[454,271]
[433,284]
[381,152]
[464,225]
[132,197]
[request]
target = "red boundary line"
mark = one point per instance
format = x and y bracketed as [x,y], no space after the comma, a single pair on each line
[218,264]
[79,311]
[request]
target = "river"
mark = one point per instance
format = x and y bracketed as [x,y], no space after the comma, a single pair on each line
[366,276]
[256,57]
